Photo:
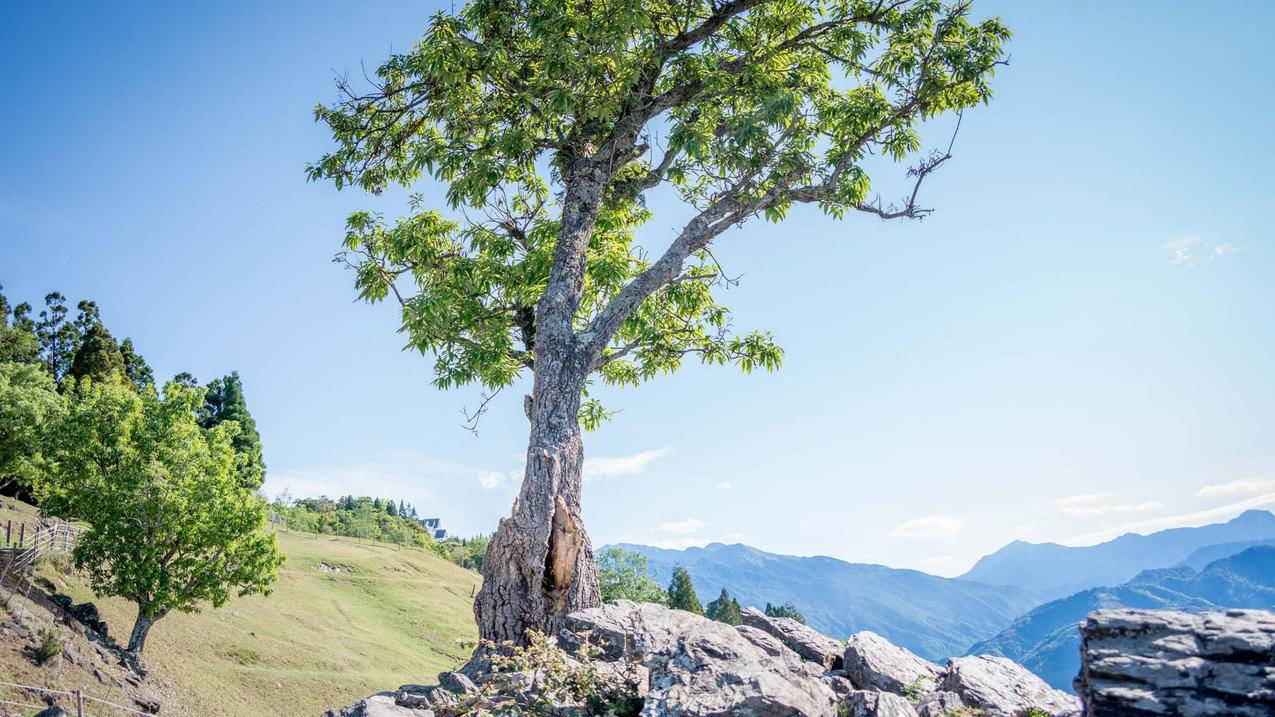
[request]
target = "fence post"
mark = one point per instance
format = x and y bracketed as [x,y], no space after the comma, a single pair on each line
[79,704]
[8,531]
[22,535]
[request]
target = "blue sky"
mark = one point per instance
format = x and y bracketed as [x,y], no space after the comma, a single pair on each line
[1078,342]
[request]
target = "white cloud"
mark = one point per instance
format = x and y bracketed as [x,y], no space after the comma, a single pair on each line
[490,480]
[595,468]
[725,485]
[681,527]
[1237,487]
[929,527]
[1088,505]
[1192,250]
[1185,520]
[681,543]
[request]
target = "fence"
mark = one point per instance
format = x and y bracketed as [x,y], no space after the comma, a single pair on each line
[79,701]
[23,547]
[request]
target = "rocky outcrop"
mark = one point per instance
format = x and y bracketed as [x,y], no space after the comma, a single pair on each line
[381,704]
[810,644]
[1151,662]
[941,704]
[1000,686]
[872,662]
[867,703]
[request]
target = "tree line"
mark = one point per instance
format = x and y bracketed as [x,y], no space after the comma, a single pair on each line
[625,575]
[165,477]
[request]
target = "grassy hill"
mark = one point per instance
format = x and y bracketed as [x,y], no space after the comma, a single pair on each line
[345,619]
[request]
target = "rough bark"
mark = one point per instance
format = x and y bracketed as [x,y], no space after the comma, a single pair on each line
[141,628]
[539,565]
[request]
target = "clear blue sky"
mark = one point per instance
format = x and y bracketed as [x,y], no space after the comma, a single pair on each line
[1077,342]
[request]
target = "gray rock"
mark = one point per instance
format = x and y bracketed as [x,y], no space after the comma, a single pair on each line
[703,668]
[873,663]
[457,682]
[867,703]
[810,644]
[1153,662]
[381,704]
[1000,686]
[940,704]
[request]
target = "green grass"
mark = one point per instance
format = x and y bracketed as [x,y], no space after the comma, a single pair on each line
[345,619]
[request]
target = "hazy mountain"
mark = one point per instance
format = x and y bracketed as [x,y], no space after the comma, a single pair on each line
[932,616]
[1046,639]
[1049,570]
[1209,553]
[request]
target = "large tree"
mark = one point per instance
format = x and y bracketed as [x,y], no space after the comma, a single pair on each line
[171,526]
[224,401]
[550,125]
[29,404]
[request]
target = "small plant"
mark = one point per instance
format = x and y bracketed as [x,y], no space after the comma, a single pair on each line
[49,647]
[1033,712]
[916,690]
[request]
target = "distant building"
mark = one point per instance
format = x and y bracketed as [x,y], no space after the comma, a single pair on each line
[435,527]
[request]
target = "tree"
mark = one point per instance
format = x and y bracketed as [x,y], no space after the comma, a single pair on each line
[135,367]
[29,403]
[56,338]
[681,593]
[224,401]
[98,356]
[391,508]
[725,609]
[171,527]
[551,125]
[17,334]
[624,575]
[785,610]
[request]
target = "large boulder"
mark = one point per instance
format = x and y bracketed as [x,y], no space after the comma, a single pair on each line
[703,668]
[381,704]
[1001,687]
[1152,662]
[867,703]
[806,642]
[874,663]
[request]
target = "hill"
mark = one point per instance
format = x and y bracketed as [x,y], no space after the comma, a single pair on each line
[1047,642]
[1049,570]
[932,616]
[345,619]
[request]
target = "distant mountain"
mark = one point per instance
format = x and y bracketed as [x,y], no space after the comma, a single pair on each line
[1049,570]
[1202,557]
[932,616]
[1046,641]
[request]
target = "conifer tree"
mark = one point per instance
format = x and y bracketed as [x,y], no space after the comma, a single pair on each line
[224,401]
[98,356]
[681,593]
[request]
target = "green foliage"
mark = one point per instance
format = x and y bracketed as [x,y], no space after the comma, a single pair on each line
[785,610]
[623,575]
[29,404]
[223,402]
[917,689]
[57,339]
[49,646]
[17,333]
[681,593]
[171,526]
[98,356]
[135,367]
[355,518]
[725,609]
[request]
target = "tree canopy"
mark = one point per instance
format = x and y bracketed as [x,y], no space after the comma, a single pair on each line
[624,575]
[224,401]
[29,404]
[725,609]
[681,592]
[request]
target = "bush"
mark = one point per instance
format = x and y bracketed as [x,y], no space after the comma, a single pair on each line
[49,647]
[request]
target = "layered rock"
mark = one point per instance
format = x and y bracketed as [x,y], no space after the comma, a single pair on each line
[997,685]
[1151,662]
[810,644]
[872,662]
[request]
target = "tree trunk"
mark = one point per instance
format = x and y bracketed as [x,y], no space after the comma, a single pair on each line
[141,628]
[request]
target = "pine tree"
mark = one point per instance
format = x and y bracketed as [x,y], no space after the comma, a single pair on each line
[98,356]
[17,337]
[224,401]
[135,367]
[391,508]
[57,339]
[681,593]
[725,609]
[785,610]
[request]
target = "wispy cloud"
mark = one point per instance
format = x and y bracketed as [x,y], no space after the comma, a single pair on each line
[929,527]
[596,468]
[1247,486]
[1193,250]
[725,485]
[490,480]
[681,543]
[681,527]
[1087,505]
[1184,520]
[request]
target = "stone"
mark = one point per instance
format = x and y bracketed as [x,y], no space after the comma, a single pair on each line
[810,644]
[1001,687]
[1161,662]
[940,704]
[380,704]
[873,663]
[53,711]
[703,668]
[869,703]
[456,682]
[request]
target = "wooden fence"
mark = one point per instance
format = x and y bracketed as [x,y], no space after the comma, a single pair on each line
[22,547]
[39,698]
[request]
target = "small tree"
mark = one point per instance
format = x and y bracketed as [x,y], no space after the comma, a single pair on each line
[171,527]
[725,609]
[624,575]
[785,610]
[224,401]
[29,402]
[681,593]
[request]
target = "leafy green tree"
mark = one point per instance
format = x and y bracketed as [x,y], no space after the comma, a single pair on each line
[725,609]
[98,356]
[29,404]
[17,333]
[171,527]
[785,610]
[624,575]
[135,367]
[681,593]
[56,338]
[550,125]
[224,401]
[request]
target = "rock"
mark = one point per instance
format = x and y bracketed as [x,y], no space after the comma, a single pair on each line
[456,682]
[380,704]
[810,644]
[940,704]
[999,686]
[873,663]
[53,711]
[867,703]
[703,668]
[1153,662]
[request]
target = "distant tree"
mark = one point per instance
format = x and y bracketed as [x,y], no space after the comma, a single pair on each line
[98,356]
[624,575]
[170,525]
[135,367]
[724,609]
[90,315]
[224,401]
[402,508]
[376,504]
[345,502]
[187,379]
[17,333]
[785,610]
[391,508]
[29,405]
[681,593]
[56,338]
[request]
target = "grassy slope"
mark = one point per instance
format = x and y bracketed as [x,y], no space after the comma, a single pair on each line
[345,619]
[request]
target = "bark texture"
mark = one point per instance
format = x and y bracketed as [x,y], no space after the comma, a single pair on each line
[141,628]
